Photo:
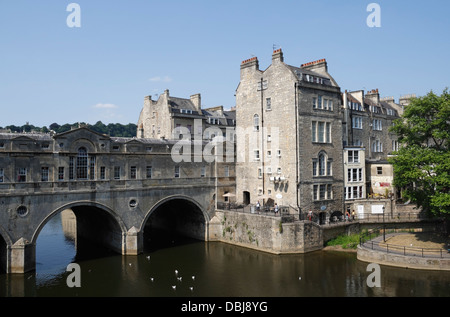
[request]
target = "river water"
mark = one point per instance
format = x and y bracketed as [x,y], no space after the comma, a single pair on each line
[209,270]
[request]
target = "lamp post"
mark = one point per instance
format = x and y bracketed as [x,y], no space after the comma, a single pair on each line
[384,227]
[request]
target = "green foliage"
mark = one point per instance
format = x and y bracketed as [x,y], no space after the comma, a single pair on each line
[112,129]
[347,242]
[422,164]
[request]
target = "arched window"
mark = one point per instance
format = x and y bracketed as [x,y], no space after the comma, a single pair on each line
[82,163]
[256,122]
[322,164]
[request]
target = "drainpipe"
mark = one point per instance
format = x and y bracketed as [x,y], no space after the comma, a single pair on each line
[296,149]
[262,138]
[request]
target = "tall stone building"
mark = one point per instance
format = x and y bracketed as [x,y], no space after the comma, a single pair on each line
[368,142]
[289,136]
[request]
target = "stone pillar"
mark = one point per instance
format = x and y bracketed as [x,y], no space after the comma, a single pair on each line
[133,242]
[22,257]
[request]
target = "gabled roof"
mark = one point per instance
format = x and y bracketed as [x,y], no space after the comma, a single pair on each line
[78,130]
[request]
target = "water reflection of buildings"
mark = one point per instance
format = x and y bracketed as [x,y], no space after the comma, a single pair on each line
[69,224]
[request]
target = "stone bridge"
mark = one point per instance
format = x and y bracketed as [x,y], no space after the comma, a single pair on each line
[119,189]
[116,218]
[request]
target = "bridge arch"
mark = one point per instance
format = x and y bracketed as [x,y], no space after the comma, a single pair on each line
[191,218]
[95,222]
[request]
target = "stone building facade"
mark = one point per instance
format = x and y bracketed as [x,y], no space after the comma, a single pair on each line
[367,119]
[289,144]
[175,118]
[83,158]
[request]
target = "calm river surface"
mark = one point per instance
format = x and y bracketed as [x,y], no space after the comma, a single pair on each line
[220,270]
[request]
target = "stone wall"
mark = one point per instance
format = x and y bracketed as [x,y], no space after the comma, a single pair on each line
[413,262]
[265,233]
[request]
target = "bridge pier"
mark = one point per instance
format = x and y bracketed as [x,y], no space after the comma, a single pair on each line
[133,243]
[22,257]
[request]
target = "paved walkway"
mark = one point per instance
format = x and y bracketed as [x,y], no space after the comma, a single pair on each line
[377,244]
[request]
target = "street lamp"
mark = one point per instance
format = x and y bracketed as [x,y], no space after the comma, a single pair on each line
[384,227]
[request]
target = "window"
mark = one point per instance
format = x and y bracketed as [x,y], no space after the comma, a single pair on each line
[322,192]
[2,175]
[22,175]
[227,171]
[148,172]
[379,170]
[353,156]
[321,132]
[255,122]
[314,131]
[269,154]
[44,174]
[328,132]
[354,175]
[203,171]
[314,102]
[214,121]
[357,122]
[259,172]
[82,163]
[279,170]
[102,172]
[133,172]
[177,172]
[377,146]
[279,153]
[376,125]
[322,166]
[268,104]
[116,172]
[329,168]
[71,167]
[394,145]
[61,173]
[353,192]
[92,167]
[256,155]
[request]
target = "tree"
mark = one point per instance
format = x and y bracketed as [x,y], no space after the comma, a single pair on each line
[422,164]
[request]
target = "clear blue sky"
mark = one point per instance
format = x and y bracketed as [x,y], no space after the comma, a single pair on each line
[126,50]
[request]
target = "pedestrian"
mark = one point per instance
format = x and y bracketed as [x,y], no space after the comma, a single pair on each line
[258,206]
[353,214]
[276,208]
[310,214]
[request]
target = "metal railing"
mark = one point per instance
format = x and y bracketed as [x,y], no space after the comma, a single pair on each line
[375,240]
[252,208]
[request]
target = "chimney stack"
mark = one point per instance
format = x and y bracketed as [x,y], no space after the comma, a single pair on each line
[197,101]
